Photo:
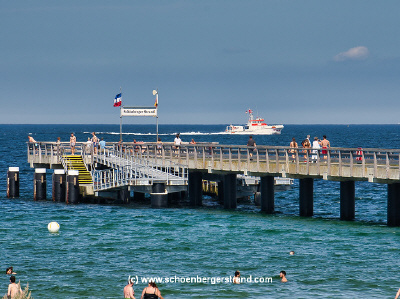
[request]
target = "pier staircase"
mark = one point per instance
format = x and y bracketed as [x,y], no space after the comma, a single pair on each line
[75,162]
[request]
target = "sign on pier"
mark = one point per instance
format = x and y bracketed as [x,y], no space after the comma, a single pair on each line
[139,111]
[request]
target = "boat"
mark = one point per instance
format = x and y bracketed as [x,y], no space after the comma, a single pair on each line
[255,126]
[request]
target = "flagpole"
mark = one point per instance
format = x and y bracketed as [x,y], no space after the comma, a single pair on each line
[155,92]
[120,117]
[157,114]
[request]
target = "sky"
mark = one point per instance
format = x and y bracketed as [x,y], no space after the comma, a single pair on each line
[291,62]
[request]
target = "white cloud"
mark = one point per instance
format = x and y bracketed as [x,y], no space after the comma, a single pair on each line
[357,53]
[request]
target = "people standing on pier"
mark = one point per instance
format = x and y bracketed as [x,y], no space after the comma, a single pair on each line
[316,146]
[88,144]
[129,293]
[306,145]
[325,144]
[159,146]
[95,142]
[72,143]
[13,289]
[102,143]
[251,143]
[293,145]
[177,142]
[151,292]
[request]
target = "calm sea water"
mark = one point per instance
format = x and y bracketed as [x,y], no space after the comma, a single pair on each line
[99,246]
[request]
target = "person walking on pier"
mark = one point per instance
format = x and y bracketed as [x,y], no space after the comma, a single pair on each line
[72,143]
[251,143]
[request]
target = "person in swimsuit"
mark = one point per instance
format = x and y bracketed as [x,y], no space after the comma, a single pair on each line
[72,143]
[325,144]
[151,292]
[293,145]
[282,275]
[10,271]
[128,290]
[13,288]
[236,279]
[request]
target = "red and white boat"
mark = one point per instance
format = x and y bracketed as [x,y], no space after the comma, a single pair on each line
[255,126]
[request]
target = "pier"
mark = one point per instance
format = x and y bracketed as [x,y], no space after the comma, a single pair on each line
[163,169]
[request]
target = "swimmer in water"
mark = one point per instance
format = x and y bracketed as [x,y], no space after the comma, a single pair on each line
[236,279]
[10,271]
[282,275]
[129,293]
[151,292]
[291,253]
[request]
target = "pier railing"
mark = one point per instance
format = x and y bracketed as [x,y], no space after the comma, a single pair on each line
[374,165]
[130,168]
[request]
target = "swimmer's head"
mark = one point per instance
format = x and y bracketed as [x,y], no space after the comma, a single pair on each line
[130,280]
[282,273]
[12,279]
[237,273]
[9,270]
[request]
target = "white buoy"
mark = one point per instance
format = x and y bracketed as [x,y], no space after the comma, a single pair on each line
[53,227]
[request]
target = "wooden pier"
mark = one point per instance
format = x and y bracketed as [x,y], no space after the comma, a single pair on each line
[154,167]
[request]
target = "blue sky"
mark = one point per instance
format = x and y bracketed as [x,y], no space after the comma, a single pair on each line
[292,62]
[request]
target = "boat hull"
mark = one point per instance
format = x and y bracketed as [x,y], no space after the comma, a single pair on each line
[264,130]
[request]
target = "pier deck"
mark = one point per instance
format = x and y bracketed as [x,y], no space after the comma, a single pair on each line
[154,164]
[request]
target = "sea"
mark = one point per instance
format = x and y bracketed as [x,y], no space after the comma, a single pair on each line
[194,252]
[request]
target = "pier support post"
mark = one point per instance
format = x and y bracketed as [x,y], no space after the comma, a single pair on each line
[138,196]
[123,196]
[159,196]
[59,185]
[267,194]
[306,197]
[195,188]
[72,190]
[13,182]
[393,205]
[39,184]
[229,191]
[347,200]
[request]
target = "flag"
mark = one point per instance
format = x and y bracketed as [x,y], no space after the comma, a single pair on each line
[118,100]
[156,103]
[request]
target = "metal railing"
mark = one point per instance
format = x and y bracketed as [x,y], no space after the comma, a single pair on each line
[130,168]
[355,163]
